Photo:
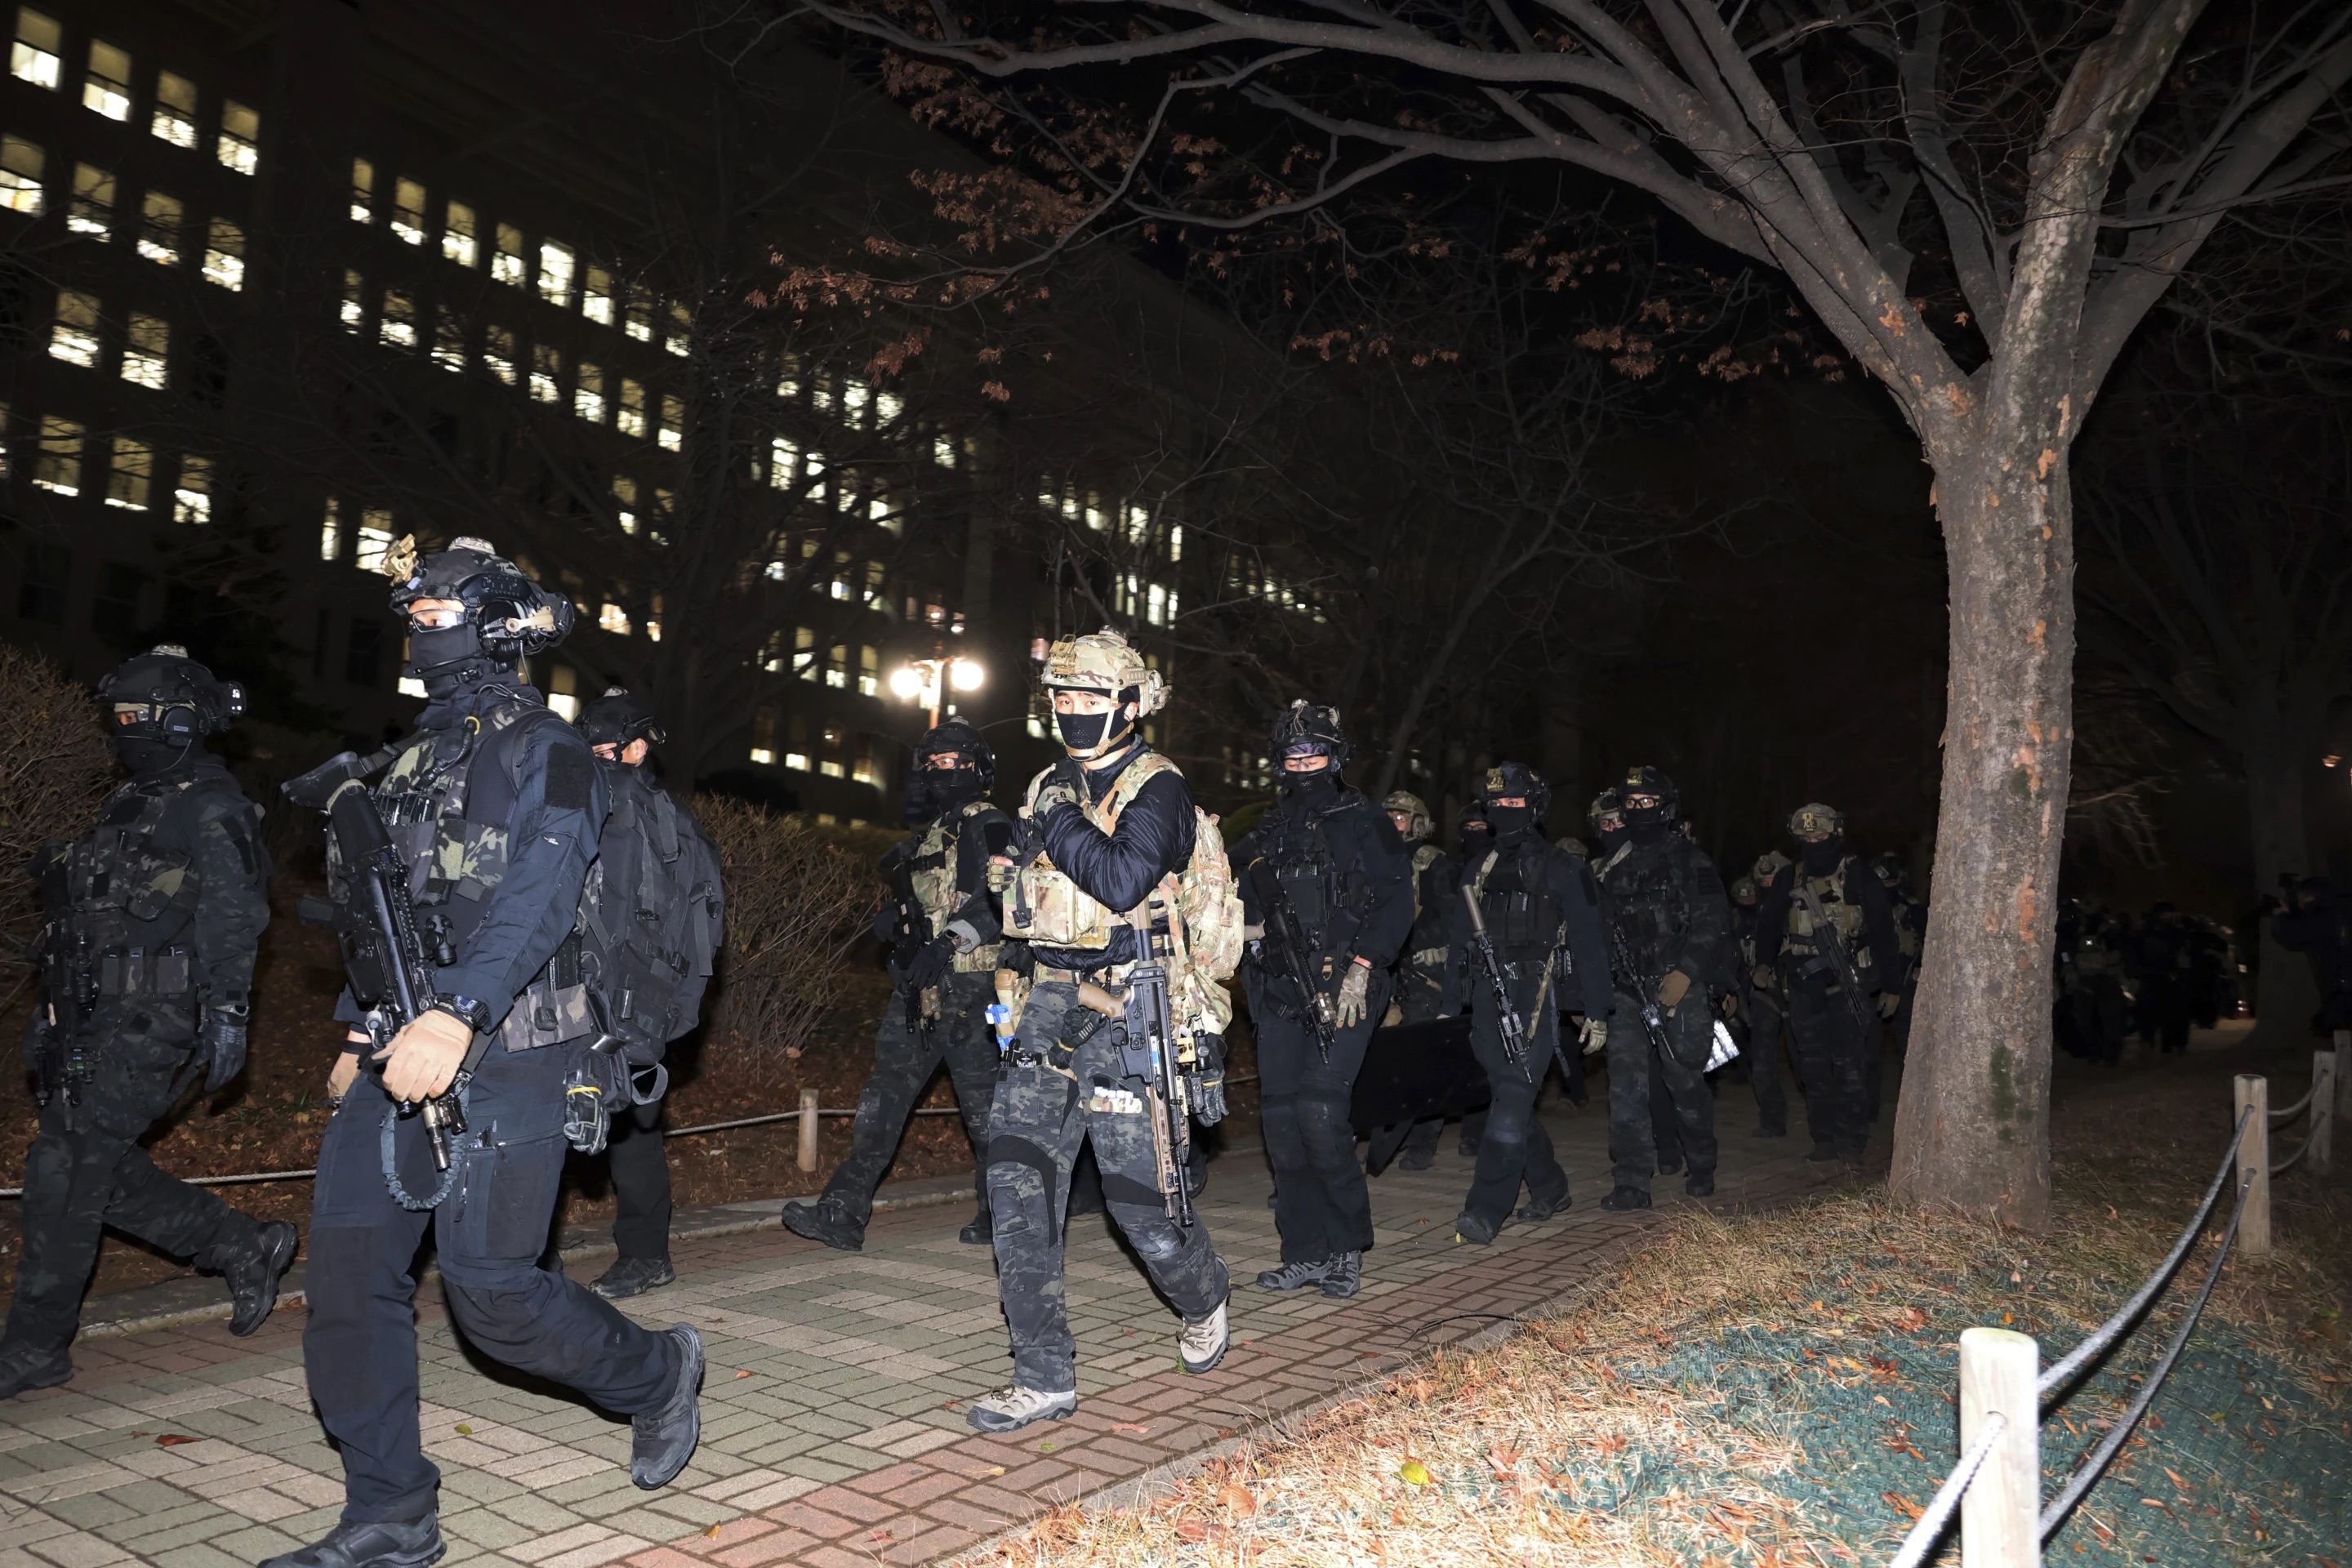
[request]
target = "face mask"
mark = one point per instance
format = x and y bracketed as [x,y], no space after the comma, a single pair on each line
[1822,858]
[1510,821]
[143,755]
[1312,786]
[947,788]
[1649,829]
[1082,731]
[443,648]
[1611,837]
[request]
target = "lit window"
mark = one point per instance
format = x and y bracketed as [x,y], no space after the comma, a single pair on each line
[129,475]
[869,676]
[764,737]
[588,394]
[788,379]
[74,338]
[878,512]
[673,422]
[397,328]
[631,417]
[625,495]
[449,339]
[354,307]
[224,254]
[35,56]
[21,165]
[92,211]
[596,297]
[499,354]
[331,532]
[804,655]
[146,351]
[836,671]
[830,766]
[507,260]
[887,406]
[362,191]
[638,318]
[783,463]
[457,234]
[614,619]
[1175,542]
[555,272]
[681,330]
[1156,610]
[546,370]
[1138,524]
[564,692]
[408,211]
[375,539]
[191,498]
[175,110]
[821,393]
[943,451]
[107,89]
[239,147]
[58,466]
[159,229]
[854,396]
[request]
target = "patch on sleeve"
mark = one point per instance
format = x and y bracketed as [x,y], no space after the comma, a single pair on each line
[569,772]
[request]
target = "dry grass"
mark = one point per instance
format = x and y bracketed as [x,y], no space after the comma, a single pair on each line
[1665,1418]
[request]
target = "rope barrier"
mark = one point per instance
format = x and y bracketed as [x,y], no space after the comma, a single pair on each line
[2279,1168]
[1929,1526]
[2062,1372]
[2094,1464]
[2280,1117]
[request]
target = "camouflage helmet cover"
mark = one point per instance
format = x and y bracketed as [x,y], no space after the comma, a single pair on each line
[1816,819]
[1771,864]
[1404,803]
[1605,805]
[1574,846]
[1744,890]
[1105,662]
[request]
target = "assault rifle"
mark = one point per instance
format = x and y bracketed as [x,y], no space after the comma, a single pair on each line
[1283,928]
[1826,933]
[68,981]
[1645,992]
[910,930]
[1508,1024]
[1150,1050]
[387,956]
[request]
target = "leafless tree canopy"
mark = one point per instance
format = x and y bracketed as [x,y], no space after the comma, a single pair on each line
[53,775]
[795,900]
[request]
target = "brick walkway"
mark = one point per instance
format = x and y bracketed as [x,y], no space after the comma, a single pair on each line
[833,1414]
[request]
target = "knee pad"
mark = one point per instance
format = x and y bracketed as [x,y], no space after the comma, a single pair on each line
[1323,1128]
[1007,1158]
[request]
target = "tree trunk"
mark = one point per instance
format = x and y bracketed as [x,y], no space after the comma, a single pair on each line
[1972,1129]
[2286,993]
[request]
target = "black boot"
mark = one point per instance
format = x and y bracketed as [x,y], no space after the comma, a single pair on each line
[662,1438]
[633,1276]
[253,1272]
[826,1220]
[24,1368]
[1624,1198]
[1700,1183]
[981,1232]
[378,1544]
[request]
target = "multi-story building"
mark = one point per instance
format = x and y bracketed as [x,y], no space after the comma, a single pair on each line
[280,283]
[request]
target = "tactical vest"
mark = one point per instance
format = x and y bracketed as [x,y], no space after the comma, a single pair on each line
[1802,948]
[447,800]
[1524,918]
[932,870]
[1651,905]
[651,909]
[1203,910]
[1311,880]
[127,903]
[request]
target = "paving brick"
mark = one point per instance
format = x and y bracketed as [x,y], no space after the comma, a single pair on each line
[773,1548]
[810,1520]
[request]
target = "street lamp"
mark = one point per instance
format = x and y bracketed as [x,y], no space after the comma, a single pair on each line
[926,680]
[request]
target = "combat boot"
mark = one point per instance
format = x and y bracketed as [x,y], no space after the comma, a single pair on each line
[24,1368]
[1345,1275]
[981,1232]
[1535,1211]
[662,1439]
[372,1543]
[633,1276]
[1201,1345]
[1010,1409]
[1624,1198]
[1469,1227]
[1294,1276]
[1700,1185]
[826,1220]
[253,1272]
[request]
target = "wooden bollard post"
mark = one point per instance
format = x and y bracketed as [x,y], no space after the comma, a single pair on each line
[2343,1078]
[2253,1093]
[808,1130]
[2001,1523]
[2323,1109]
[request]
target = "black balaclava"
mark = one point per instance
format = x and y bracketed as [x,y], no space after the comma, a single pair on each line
[183,702]
[1612,838]
[147,758]
[1313,791]
[1510,823]
[1477,833]
[1820,860]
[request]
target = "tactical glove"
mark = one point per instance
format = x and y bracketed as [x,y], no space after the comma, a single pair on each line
[221,1036]
[1889,1004]
[924,969]
[1672,988]
[1594,1035]
[1066,787]
[1208,1081]
[1354,998]
[1000,873]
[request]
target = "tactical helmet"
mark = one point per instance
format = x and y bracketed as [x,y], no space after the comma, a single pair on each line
[618,718]
[1605,805]
[1103,662]
[1646,779]
[1406,803]
[164,694]
[1771,864]
[1573,845]
[512,616]
[1305,730]
[1808,820]
[1744,890]
[1888,865]
[1473,819]
[1507,779]
[955,737]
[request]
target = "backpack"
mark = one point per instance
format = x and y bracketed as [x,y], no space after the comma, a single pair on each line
[652,916]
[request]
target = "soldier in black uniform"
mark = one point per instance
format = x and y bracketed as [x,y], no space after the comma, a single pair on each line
[656,904]
[146,955]
[1834,1005]
[1670,942]
[1542,916]
[1761,1001]
[1327,891]
[942,931]
[1424,970]
[493,806]
[1475,837]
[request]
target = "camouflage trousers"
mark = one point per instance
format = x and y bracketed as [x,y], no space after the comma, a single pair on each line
[86,1171]
[1832,1052]
[905,1054]
[1040,1118]
[1638,1072]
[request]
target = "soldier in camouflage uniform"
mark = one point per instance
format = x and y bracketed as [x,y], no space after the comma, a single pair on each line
[1424,973]
[1109,836]
[146,953]
[1760,1000]
[944,936]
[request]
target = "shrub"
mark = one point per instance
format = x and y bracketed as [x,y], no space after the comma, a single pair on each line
[53,775]
[796,900]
